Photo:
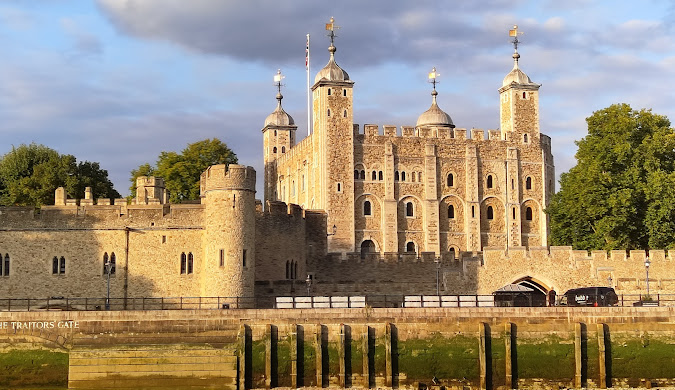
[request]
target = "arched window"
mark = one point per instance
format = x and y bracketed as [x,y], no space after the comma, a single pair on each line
[419,176]
[105,261]
[373,176]
[380,176]
[329,92]
[274,150]
[409,209]
[275,133]
[452,253]
[344,114]
[412,177]
[183,263]
[451,211]
[62,265]
[396,176]
[4,270]
[490,213]
[295,269]
[403,176]
[514,213]
[113,260]
[283,149]
[525,138]
[451,180]
[190,263]
[329,112]
[356,174]
[344,92]
[528,183]
[410,247]
[55,266]
[489,181]
[362,175]
[366,208]
[524,95]
[528,214]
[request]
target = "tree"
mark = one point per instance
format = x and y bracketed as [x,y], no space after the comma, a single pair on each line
[29,175]
[181,172]
[621,193]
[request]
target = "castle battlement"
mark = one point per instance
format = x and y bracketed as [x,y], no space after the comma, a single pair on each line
[372,130]
[224,177]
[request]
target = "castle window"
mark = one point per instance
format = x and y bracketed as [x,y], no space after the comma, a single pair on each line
[190,263]
[396,176]
[525,138]
[380,176]
[344,114]
[55,266]
[183,263]
[490,213]
[344,92]
[288,269]
[528,183]
[163,239]
[295,269]
[356,174]
[366,208]
[452,253]
[362,175]
[473,212]
[513,184]
[243,258]
[329,112]
[403,176]
[524,95]
[283,149]
[374,176]
[111,260]
[514,213]
[4,268]
[293,188]
[58,265]
[274,150]
[367,246]
[412,177]
[222,257]
[419,176]
[339,187]
[451,180]
[451,211]
[329,91]
[410,247]
[275,133]
[409,209]
[528,214]
[489,181]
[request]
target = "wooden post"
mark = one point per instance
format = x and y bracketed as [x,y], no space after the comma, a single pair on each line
[319,355]
[294,356]
[601,356]
[577,355]
[508,380]
[342,379]
[268,356]
[242,338]
[482,355]
[388,372]
[365,346]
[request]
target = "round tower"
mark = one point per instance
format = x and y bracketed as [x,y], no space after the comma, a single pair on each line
[228,269]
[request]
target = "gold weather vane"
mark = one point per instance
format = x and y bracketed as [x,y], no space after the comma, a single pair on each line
[332,27]
[432,77]
[514,33]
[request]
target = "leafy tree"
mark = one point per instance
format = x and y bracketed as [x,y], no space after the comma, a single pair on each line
[621,193]
[181,172]
[29,175]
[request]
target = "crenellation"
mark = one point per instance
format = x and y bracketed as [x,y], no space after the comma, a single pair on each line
[371,130]
[494,135]
[390,131]
[407,131]
[459,134]
[477,134]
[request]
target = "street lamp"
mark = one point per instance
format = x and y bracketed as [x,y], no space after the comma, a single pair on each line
[309,284]
[108,268]
[438,270]
[647,263]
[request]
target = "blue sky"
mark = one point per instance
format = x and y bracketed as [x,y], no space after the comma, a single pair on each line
[119,81]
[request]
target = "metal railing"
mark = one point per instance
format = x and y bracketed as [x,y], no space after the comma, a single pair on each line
[374,301]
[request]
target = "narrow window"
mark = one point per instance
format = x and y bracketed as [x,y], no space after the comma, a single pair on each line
[344,114]
[451,180]
[528,183]
[356,174]
[396,176]
[295,269]
[412,177]
[525,138]
[473,212]
[105,262]
[366,208]
[489,181]
[403,176]
[362,175]
[112,263]
[283,149]
[344,92]
[409,211]
[293,188]
[419,176]
[243,258]
[222,257]
[373,176]
[380,176]
[410,247]
[452,253]
[513,184]
[524,96]
[288,269]
[329,92]
[190,263]
[329,112]
[62,265]
[275,133]
[303,183]
[514,213]
[6,270]
[528,214]
[274,150]
[451,211]
[55,265]
[339,187]
[183,263]
[1,263]
[490,213]
[163,239]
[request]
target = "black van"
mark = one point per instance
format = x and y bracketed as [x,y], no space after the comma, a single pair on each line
[589,296]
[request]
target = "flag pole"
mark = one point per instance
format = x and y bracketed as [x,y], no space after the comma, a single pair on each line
[309,112]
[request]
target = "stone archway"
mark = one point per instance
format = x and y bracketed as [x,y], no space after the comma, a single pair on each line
[367,246]
[527,291]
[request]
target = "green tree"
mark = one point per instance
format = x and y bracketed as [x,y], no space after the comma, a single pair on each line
[29,175]
[181,172]
[621,193]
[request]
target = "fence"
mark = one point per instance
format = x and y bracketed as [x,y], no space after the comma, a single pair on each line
[376,301]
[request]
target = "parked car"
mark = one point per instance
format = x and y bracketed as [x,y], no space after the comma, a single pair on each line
[589,296]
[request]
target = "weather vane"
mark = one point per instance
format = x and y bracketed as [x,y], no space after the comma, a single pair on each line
[277,80]
[432,77]
[514,33]
[332,27]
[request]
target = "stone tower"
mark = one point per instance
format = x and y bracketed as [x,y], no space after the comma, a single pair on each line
[228,266]
[278,138]
[334,129]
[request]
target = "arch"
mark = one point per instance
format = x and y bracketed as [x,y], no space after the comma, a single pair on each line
[380,176]
[403,176]
[412,176]
[55,266]
[367,208]
[528,214]
[452,253]
[356,174]
[275,133]
[190,264]
[373,176]
[410,247]
[183,263]
[537,296]
[329,112]
[367,246]
[105,261]
[330,91]
[283,149]
[62,265]
[450,181]
[528,183]
[362,175]
[294,271]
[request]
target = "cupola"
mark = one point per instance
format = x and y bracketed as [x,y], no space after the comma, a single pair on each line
[434,116]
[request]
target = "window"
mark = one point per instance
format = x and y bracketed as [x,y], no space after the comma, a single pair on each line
[490,213]
[339,187]
[525,138]
[452,253]
[190,263]
[329,91]
[451,180]
[356,174]
[329,112]
[396,176]
[514,213]
[275,133]
[410,247]
[380,176]
[274,150]
[373,176]
[409,210]
[362,175]
[366,208]
[110,260]
[473,212]
[528,214]
[489,181]
[412,177]
[419,176]
[183,263]
[243,258]
[58,265]
[513,184]
[163,239]
[344,92]
[528,183]
[4,265]
[283,149]
[55,266]
[344,114]
[367,246]
[222,257]
[288,269]
[403,176]
[524,95]
[291,269]
[451,211]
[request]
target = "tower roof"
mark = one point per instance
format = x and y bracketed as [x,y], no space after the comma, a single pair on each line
[279,117]
[332,71]
[434,116]
[516,75]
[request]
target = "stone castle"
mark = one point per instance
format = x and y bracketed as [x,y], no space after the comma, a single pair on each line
[354,212]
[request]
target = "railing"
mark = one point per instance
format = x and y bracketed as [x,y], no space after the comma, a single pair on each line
[375,301]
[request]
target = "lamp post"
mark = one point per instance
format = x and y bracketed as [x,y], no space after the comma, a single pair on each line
[108,268]
[438,271]
[309,284]
[647,263]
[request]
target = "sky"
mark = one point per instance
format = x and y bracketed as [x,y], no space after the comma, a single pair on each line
[120,81]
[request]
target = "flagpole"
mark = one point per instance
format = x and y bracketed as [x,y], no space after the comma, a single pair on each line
[309,112]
